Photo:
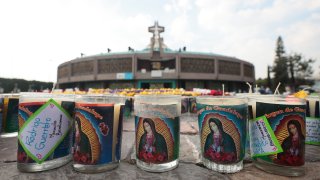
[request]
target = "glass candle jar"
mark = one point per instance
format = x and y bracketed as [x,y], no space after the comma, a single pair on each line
[10,115]
[192,105]
[157,122]
[277,132]
[222,128]
[97,132]
[45,131]
[185,105]
[1,111]
[251,114]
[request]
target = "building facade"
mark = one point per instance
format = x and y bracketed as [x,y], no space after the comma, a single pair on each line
[157,66]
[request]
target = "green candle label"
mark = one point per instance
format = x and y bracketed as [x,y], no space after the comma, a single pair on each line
[262,139]
[44,130]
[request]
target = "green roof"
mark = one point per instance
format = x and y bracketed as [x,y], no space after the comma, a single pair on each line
[166,50]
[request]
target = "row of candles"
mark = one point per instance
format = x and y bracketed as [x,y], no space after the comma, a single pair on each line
[55,128]
[9,110]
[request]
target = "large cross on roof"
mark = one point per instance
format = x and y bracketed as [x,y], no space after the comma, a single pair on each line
[156,30]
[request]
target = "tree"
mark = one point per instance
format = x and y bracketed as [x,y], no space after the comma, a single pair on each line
[280,47]
[280,65]
[293,61]
[9,84]
[299,68]
[262,82]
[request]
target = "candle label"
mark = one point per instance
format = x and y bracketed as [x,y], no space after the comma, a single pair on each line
[1,113]
[4,112]
[94,134]
[128,107]
[119,134]
[289,126]
[222,132]
[313,131]
[11,120]
[193,105]
[157,133]
[184,105]
[44,131]
[262,139]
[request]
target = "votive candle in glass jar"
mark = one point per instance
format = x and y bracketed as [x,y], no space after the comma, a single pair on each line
[278,131]
[222,128]
[97,132]
[157,122]
[10,115]
[45,131]
[1,111]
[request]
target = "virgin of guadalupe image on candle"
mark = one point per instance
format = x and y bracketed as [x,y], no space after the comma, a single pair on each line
[219,145]
[86,148]
[154,141]
[292,145]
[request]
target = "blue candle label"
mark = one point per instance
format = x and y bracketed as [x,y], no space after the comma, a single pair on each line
[288,123]
[97,133]
[313,130]
[44,130]
[262,139]
[222,132]
[157,133]
[184,105]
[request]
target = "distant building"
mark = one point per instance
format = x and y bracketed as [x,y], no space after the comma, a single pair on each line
[156,66]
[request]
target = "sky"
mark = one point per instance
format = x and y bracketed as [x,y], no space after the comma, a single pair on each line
[38,35]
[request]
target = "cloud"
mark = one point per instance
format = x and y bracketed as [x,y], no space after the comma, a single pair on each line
[179,31]
[179,6]
[249,29]
[304,37]
[37,36]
